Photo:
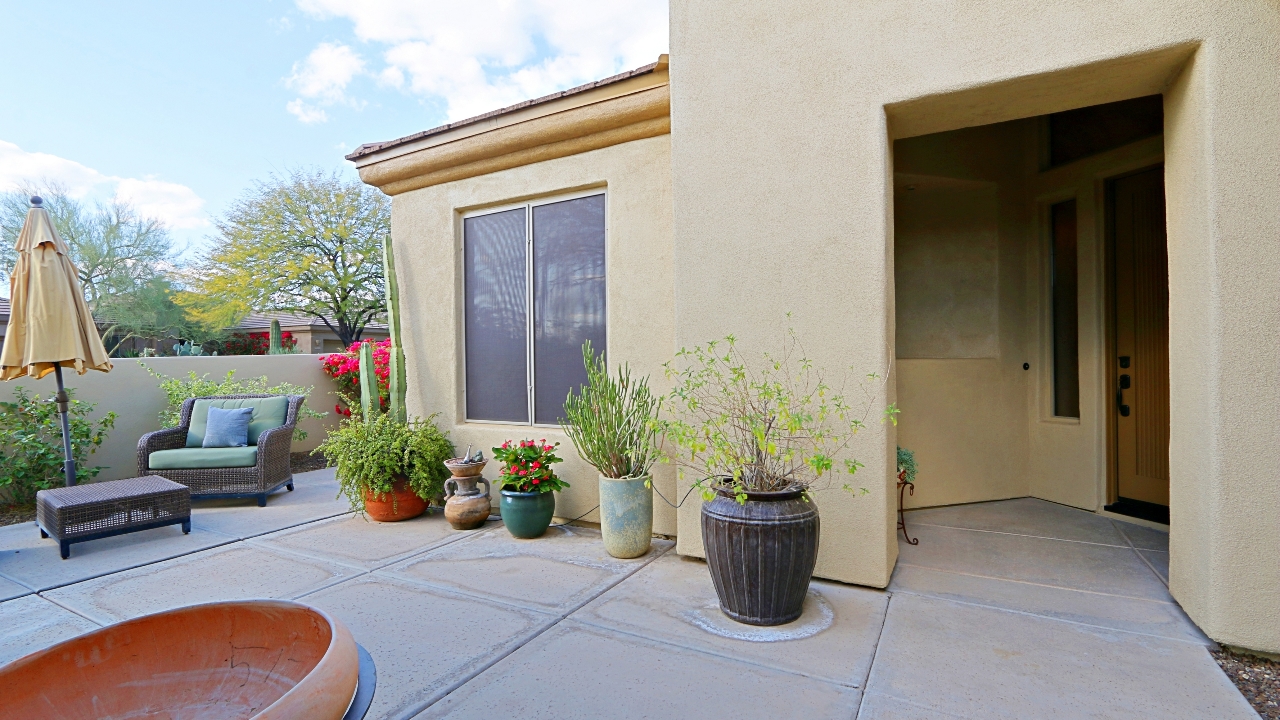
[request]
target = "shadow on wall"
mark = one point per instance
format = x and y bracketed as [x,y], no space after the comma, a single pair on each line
[135,396]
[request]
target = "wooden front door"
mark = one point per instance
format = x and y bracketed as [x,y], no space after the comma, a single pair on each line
[1141,326]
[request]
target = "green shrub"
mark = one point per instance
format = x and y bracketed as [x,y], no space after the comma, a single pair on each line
[178,390]
[31,456]
[369,456]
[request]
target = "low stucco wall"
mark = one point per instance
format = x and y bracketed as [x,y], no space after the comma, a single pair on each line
[135,396]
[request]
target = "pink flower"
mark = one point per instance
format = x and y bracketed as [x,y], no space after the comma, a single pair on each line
[537,464]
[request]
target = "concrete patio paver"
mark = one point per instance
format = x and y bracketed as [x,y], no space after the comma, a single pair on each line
[363,543]
[424,641]
[1083,566]
[575,670]
[1144,538]
[235,572]
[32,623]
[1159,562]
[33,561]
[980,662]
[1023,516]
[554,573]
[1151,617]
[314,497]
[10,589]
[673,600]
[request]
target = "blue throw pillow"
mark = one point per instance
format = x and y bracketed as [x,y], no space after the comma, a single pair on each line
[227,428]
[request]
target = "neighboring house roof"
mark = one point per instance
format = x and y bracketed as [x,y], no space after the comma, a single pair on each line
[261,322]
[370,148]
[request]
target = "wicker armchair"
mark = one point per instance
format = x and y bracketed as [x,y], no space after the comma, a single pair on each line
[271,471]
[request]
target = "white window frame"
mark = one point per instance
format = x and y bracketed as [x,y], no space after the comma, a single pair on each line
[530,374]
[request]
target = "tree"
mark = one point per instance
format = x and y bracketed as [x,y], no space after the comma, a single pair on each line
[120,255]
[308,243]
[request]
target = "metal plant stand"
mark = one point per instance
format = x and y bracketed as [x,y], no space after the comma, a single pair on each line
[909,487]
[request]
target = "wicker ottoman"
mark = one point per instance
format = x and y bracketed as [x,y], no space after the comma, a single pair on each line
[97,510]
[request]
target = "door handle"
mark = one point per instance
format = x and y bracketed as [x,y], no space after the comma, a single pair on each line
[1125,384]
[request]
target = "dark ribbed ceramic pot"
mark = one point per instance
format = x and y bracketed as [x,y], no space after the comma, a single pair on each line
[761,553]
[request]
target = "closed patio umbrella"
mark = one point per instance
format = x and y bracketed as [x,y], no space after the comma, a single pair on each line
[50,326]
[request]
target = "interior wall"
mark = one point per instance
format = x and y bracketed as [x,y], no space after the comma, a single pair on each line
[960,257]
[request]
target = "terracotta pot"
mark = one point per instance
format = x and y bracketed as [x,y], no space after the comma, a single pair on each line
[467,507]
[761,554]
[402,503]
[219,659]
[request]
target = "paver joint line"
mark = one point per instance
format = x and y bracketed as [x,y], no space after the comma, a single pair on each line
[1050,618]
[1137,552]
[875,650]
[1036,584]
[1015,534]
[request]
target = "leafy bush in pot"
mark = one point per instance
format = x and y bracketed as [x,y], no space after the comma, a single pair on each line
[763,426]
[31,454]
[371,455]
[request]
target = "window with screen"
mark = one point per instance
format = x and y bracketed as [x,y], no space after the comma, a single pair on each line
[1066,323]
[534,293]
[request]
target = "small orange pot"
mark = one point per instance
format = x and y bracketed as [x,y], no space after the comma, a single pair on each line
[402,503]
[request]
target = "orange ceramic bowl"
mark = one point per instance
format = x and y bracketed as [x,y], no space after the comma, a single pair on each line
[255,659]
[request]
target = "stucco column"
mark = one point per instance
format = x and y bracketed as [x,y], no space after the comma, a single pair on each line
[779,210]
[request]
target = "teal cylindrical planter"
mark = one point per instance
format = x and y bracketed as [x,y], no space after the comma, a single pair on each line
[527,515]
[626,516]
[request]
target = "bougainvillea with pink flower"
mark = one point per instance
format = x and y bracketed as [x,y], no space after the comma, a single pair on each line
[526,466]
[344,368]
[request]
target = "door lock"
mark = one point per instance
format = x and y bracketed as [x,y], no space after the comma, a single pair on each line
[1125,384]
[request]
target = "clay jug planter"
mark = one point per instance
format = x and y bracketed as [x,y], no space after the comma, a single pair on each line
[761,553]
[466,507]
[402,503]
[527,514]
[626,516]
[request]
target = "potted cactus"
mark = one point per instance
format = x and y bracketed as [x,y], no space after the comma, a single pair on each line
[528,481]
[611,423]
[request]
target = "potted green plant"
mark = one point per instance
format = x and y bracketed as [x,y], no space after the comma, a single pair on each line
[389,470]
[758,435]
[611,423]
[527,481]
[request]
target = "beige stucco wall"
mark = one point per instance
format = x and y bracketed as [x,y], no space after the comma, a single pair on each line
[782,116]
[427,236]
[135,396]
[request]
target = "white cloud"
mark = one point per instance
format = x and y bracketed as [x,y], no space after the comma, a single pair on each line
[483,54]
[323,78]
[177,205]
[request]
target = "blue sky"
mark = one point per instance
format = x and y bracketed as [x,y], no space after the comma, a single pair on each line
[180,106]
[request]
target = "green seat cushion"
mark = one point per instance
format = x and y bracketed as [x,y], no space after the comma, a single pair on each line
[203,458]
[267,413]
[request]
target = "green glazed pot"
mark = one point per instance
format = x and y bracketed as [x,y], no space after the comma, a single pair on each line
[527,515]
[626,516]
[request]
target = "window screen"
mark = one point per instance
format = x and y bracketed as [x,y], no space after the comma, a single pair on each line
[564,278]
[1066,351]
[497,325]
[568,292]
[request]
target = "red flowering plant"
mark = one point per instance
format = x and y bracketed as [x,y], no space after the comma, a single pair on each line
[258,343]
[344,368]
[526,466]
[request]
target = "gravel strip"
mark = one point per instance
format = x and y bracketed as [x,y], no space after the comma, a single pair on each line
[1258,679]
[305,462]
[14,514]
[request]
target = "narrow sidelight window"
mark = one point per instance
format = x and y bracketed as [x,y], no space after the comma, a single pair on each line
[1066,343]
[535,292]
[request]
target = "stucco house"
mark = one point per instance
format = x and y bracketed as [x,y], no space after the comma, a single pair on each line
[1052,227]
[312,334]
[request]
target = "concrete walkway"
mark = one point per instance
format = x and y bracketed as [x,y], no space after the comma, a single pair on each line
[1014,609]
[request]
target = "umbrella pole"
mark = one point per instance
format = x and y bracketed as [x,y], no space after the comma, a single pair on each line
[69,467]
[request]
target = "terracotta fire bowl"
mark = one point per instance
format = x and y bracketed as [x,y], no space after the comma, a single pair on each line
[256,659]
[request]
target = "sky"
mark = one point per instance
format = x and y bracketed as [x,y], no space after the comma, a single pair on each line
[179,107]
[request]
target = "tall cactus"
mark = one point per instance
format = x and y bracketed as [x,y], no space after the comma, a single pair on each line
[276,347]
[396,365]
[368,383]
